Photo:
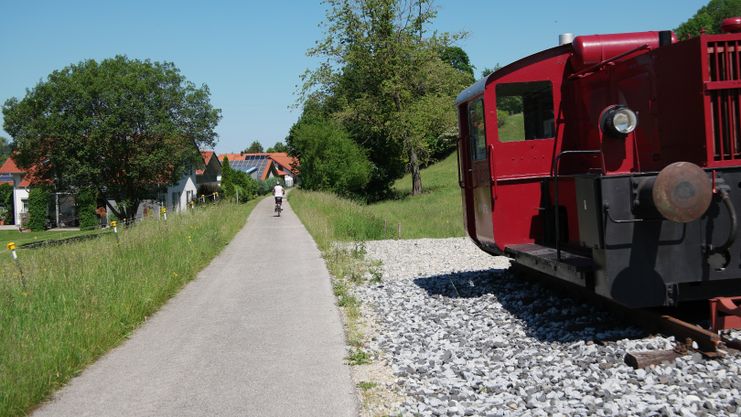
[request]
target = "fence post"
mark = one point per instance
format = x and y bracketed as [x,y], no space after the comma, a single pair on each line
[399,237]
[11,248]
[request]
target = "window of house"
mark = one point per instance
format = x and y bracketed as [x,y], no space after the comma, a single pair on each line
[477,130]
[525,111]
[24,202]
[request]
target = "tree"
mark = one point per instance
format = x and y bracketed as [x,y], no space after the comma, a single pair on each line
[6,147]
[278,147]
[457,58]
[330,159]
[124,127]
[255,147]
[6,203]
[379,71]
[227,179]
[708,18]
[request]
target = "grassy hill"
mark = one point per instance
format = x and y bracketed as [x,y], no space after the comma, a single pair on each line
[513,128]
[436,213]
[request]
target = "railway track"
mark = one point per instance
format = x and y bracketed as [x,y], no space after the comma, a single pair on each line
[690,336]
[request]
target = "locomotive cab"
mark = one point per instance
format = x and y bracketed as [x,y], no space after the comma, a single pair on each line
[612,162]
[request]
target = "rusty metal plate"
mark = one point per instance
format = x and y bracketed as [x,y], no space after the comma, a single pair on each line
[682,192]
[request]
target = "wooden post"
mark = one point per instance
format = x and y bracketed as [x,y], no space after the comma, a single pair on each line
[399,236]
[638,360]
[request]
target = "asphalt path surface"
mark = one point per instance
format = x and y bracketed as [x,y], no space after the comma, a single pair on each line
[257,333]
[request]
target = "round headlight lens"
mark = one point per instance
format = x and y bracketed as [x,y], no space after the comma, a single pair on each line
[618,120]
[624,120]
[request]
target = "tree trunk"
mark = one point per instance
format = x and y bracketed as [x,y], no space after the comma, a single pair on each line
[414,168]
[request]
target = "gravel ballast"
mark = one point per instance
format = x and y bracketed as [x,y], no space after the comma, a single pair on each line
[464,336]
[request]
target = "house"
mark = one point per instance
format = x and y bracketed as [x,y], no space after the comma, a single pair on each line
[175,197]
[11,174]
[262,166]
[208,175]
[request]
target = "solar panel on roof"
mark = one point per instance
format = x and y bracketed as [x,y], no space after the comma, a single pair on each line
[252,164]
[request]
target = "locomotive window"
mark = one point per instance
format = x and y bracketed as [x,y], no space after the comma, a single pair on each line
[477,130]
[525,111]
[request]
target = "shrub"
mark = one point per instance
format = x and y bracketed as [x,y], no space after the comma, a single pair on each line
[330,160]
[38,208]
[246,186]
[86,206]
[6,201]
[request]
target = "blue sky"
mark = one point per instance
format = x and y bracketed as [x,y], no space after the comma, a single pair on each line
[251,53]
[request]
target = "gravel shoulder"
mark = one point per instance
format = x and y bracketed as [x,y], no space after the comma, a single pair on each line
[461,335]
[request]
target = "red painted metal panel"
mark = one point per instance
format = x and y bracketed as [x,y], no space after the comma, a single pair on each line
[593,49]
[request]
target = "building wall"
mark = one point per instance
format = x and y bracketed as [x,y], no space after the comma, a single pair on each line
[181,193]
[19,194]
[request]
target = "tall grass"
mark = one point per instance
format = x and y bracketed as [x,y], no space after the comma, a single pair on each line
[330,218]
[436,213]
[81,299]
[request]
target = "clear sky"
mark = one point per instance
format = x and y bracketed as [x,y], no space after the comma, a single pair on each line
[251,53]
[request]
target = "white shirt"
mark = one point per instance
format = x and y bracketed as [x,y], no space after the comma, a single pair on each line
[278,191]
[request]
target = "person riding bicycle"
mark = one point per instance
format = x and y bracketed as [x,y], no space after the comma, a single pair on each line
[278,193]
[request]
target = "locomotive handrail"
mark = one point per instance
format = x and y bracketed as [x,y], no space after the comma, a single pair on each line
[583,72]
[492,167]
[556,161]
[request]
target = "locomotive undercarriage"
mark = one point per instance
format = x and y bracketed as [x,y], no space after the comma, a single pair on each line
[629,253]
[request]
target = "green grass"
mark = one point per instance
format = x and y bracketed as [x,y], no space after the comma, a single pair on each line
[436,213]
[513,129]
[84,298]
[21,238]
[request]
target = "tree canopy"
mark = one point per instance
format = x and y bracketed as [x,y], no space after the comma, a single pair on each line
[255,147]
[278,147]
[6,147]
[123,126]
[388,82]
[708,18]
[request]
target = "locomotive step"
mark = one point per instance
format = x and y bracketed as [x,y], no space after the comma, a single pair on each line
[571,267]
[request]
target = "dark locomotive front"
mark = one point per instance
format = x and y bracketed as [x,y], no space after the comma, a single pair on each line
[614,162]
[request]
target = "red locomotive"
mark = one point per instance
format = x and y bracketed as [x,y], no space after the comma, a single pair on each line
[619,169]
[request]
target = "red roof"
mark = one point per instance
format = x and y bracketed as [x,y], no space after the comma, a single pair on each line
[284,160]
[232,156]
[206,155]
[9,167]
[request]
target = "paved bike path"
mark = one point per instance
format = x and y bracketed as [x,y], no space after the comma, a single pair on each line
[257,333]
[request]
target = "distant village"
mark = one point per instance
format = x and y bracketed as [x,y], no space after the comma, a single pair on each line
[199,182]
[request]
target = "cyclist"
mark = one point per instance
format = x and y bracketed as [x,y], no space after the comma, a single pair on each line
[278,193]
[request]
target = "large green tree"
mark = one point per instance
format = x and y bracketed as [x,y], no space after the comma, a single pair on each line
[124,127]
[380,76]
[708,18]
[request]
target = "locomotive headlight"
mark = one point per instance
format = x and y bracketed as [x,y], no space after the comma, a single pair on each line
[619,120]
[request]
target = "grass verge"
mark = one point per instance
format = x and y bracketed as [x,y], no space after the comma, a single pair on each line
[82,299]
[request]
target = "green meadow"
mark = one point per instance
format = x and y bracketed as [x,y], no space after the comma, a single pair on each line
[436,213]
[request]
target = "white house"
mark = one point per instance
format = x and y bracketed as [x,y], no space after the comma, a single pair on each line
[11,174]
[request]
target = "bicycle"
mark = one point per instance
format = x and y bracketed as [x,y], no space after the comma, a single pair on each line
[278,205]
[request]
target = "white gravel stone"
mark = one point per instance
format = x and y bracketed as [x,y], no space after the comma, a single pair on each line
[465,336]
